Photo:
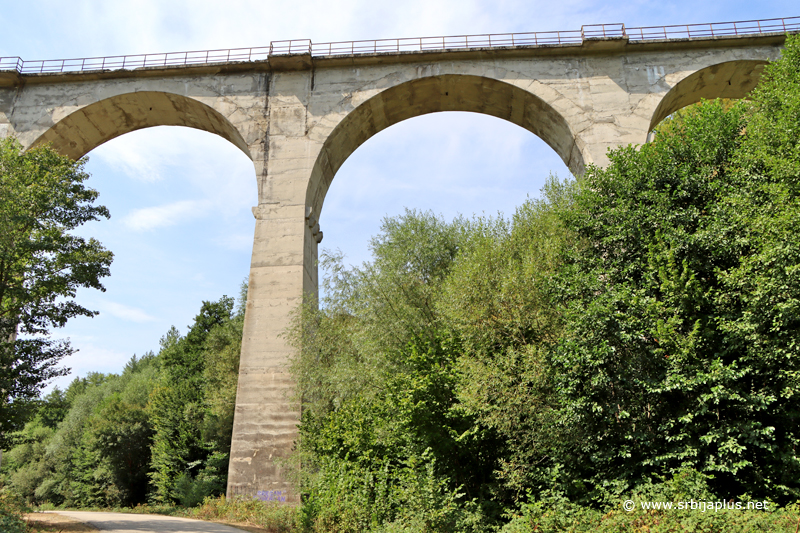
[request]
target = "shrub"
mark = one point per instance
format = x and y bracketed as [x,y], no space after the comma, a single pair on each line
[12,507]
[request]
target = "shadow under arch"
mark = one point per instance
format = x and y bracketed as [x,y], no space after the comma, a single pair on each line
[454,92]
[87,128]
[731,79]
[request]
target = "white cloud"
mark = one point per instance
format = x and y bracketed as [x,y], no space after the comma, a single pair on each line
[236,241]
[134,154]
[89,358]
[150,218]
[125,312]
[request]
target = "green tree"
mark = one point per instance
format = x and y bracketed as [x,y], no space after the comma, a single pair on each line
[191,441]
[42,264]
[644,378]
[381,422]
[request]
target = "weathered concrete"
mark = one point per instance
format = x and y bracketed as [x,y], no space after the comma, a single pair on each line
[299,118]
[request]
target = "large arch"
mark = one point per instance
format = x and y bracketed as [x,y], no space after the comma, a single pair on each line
[731,79]
[433,94]
[87,128]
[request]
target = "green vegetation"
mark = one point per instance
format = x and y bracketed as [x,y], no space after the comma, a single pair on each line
[159,432]
[42,264]
[632,335]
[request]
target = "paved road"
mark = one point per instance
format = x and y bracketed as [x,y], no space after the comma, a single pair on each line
[146,523]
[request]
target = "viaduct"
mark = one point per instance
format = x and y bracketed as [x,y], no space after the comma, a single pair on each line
[298,109]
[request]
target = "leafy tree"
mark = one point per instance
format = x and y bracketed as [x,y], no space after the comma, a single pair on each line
[42,264]
[644,376]
[381,418]
[500,307]
[191,439]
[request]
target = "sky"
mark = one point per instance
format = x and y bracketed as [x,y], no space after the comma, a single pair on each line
[181,227]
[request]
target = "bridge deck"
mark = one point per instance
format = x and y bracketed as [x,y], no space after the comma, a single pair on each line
[587,35]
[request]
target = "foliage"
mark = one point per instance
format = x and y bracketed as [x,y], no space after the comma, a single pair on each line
[272,516]
[377,381]
[97,443]
[637,324]
[680,348]
[42,264]
[12,508]
[560,515]
[191,407]
[498,303]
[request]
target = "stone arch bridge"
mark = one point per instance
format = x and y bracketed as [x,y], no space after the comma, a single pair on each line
[298,110]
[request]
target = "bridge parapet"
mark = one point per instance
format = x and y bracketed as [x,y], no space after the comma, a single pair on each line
[593,32]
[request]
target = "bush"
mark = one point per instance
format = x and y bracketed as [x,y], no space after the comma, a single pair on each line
[272,516]
[12,507]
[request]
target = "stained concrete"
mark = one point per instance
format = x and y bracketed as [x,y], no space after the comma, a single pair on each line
[299,118]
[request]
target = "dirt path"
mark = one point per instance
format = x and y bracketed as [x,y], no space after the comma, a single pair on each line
[56,523]
[137,523]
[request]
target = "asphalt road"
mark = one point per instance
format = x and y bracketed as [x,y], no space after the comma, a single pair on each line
[146,523]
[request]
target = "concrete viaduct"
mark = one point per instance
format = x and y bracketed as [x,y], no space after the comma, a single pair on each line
[298,110]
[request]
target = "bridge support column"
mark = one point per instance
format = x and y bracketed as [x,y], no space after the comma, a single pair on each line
[266,417]
[283,271]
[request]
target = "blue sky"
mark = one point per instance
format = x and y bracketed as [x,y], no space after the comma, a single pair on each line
[181,226]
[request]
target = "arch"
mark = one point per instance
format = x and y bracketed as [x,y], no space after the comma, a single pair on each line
[731,79]
[454,92]
[87,128]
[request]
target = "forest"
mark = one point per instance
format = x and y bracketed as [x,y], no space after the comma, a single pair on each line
[631,334]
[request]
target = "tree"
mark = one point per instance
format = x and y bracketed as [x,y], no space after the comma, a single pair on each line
[43,199]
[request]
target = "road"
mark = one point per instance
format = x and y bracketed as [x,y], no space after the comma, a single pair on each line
[146,523]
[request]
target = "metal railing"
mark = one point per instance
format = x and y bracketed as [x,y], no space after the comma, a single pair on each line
[715,29]
[415,44]
[602,31]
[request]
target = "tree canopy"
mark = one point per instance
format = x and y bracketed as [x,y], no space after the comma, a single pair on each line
[43,263]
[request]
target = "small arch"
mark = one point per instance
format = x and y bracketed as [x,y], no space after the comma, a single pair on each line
[434,94]
[731,79]
[87,128]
